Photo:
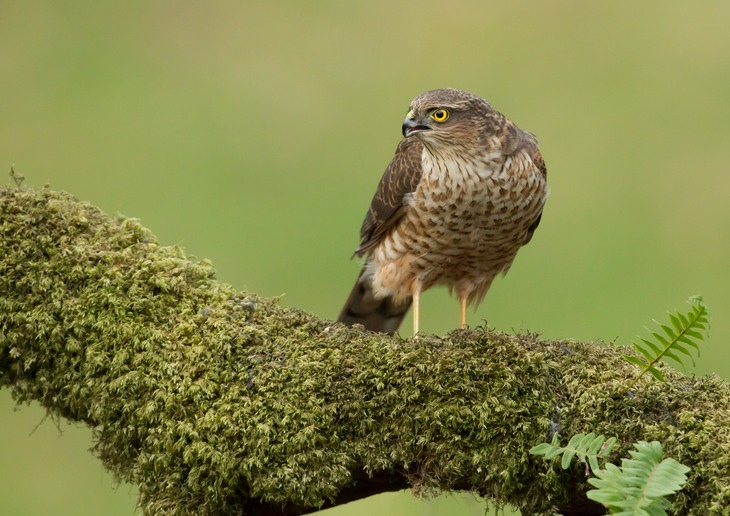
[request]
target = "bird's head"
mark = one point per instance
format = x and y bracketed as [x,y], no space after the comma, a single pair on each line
[447,117]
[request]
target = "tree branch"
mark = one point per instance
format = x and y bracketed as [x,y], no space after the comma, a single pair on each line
[215,401]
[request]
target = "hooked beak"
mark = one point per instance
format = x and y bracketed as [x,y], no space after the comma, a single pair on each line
[411,126]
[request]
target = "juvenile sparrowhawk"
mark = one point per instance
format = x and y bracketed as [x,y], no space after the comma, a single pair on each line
[464,191]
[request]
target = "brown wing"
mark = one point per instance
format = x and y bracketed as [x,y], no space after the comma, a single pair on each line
[387,207]
[513,140]
[517,140]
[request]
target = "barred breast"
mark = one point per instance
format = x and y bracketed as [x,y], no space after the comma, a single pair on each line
[465,223]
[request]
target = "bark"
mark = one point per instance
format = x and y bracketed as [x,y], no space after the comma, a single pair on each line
[215,401]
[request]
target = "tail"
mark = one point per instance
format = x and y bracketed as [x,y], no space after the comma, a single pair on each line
[375,314]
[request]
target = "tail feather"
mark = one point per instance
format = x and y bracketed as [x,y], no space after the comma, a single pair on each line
[375,314]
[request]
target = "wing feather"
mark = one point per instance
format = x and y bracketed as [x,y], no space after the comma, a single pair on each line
[389,202]
[528,142]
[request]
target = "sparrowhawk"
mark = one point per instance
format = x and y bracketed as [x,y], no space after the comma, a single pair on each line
[464,191]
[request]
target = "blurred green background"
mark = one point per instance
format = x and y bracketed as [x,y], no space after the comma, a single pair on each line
[254,134]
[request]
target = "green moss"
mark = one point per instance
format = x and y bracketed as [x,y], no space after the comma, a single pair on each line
[206,397]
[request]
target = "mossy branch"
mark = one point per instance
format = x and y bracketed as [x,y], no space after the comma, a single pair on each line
[214,401]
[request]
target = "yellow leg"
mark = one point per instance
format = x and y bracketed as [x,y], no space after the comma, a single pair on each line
[416,310]
[462,310]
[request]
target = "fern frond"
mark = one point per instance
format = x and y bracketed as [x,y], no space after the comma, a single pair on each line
[589,448]
[684,333]
[640,486]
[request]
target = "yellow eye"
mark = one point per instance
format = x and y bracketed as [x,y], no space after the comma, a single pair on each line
[440,115]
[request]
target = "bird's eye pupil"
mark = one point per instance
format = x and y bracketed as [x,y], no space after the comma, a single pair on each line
[440,115]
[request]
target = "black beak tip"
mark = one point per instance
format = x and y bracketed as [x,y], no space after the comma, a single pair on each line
[411,127]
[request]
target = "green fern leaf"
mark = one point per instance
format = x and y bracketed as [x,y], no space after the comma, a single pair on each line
[690,342]
[549,450]
[641,484]
[649,351]
[684,350]
[683,318]
[685,332]
[675,322]
[589,448]
[656,373]
[664,342]
[634,360]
